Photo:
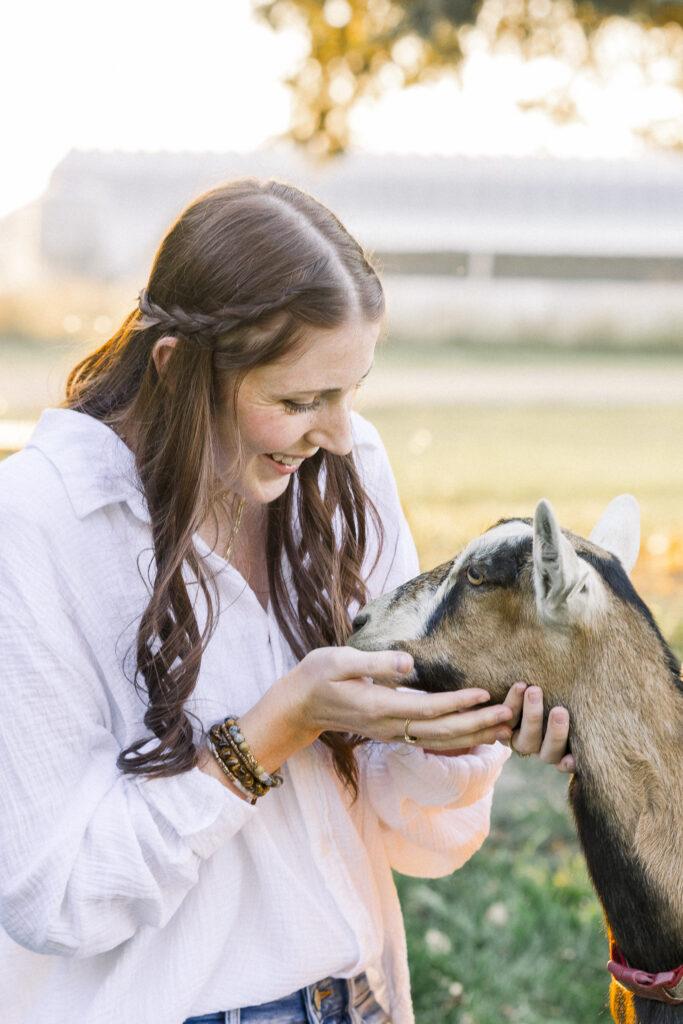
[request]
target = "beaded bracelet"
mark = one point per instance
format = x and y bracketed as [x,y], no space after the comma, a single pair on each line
[233,734]
[232,752]
[233,778]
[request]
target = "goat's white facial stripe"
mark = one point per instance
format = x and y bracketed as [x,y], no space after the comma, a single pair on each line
[481,547]
[491,540]
[477,549]
[408,621]
[408,618]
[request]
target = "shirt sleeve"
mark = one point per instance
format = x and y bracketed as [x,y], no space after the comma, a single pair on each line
[87,855]
[434,811]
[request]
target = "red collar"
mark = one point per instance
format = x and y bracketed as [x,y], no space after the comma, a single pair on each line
[665,987]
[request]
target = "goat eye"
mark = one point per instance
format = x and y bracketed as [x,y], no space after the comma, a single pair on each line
[474,576]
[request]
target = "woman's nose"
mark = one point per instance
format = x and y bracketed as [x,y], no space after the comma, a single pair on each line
[332,430]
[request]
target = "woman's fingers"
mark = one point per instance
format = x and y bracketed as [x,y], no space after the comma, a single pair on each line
[554,745]
[433,718]
[515,701]
[464,729]
[349,663]
[567,764]
[427,706]
[336,695]
[346,664]
[530,738]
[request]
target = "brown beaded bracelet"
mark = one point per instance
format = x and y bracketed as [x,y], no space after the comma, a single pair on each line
[232,751]
[233,778]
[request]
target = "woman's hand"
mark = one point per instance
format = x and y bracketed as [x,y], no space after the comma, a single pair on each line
[337,694]
[526,703]
[332,689]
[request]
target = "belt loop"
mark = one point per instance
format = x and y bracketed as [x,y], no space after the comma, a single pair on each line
[232,1017]
[354,1014]
[313,1014]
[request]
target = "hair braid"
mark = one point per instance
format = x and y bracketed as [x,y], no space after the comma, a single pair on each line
[205,328]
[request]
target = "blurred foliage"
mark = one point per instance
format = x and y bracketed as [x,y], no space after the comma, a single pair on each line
[362,48]
[66,308]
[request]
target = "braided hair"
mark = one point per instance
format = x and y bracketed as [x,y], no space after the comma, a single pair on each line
[241,276]
[206,328]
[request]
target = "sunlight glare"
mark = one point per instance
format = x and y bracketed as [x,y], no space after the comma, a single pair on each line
[165,76]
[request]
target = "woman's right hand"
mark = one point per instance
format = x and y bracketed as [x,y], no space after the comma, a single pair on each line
[332,689]
[336,693]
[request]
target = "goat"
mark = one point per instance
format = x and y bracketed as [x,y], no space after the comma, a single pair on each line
[527,600]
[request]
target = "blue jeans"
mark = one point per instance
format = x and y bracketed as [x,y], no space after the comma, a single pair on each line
[331,1001]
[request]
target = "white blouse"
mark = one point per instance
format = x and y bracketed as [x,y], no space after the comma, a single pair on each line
[149,900]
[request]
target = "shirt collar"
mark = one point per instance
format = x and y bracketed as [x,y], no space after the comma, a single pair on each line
[95,465]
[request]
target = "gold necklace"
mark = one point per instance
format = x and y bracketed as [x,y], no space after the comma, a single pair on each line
[234,531]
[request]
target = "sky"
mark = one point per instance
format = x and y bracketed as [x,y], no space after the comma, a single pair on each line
[163,74]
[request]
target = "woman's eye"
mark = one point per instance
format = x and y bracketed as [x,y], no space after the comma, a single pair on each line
[293,407]
[474,576]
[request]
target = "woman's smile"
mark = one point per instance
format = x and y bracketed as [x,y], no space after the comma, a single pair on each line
[286,464]
[291,407]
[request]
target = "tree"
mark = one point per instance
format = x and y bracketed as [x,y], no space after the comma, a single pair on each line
[359,48]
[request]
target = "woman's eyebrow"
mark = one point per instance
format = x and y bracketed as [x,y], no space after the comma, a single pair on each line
[331,391]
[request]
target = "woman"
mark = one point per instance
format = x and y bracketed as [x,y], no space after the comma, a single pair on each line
[184,544]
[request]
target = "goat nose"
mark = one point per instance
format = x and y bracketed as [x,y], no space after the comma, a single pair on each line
[360,621]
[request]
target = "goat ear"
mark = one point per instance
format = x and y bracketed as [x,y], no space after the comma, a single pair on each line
[559,574]
[618,530]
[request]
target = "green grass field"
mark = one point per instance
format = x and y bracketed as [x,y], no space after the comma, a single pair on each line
[516,935]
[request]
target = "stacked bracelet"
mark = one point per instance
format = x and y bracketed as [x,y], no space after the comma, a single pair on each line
[231,750]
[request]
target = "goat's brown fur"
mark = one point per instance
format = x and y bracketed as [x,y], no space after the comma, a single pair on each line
[613,672]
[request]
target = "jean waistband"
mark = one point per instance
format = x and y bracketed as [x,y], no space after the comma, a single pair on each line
[329,1001]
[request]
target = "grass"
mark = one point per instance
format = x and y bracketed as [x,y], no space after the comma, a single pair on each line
[516,352]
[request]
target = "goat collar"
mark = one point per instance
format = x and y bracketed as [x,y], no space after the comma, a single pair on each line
[665,987]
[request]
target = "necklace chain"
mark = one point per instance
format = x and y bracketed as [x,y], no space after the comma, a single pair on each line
[234,531]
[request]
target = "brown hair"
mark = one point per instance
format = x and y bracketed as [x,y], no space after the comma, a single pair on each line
[238,280]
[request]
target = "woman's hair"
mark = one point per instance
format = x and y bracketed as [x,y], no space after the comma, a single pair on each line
[240,279]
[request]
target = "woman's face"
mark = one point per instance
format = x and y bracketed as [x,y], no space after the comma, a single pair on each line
[288,409]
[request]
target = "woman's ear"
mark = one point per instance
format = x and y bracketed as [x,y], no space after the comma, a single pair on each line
[161,353]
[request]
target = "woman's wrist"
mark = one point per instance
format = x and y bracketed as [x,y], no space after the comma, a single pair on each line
[274,728]
[277,726]
[206,763]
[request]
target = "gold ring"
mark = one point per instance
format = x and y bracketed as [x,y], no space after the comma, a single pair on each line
[406,737]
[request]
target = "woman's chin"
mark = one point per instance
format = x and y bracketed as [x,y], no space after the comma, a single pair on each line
[261,492]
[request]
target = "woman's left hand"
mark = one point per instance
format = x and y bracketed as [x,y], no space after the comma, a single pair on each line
[527,725]
[526,728]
